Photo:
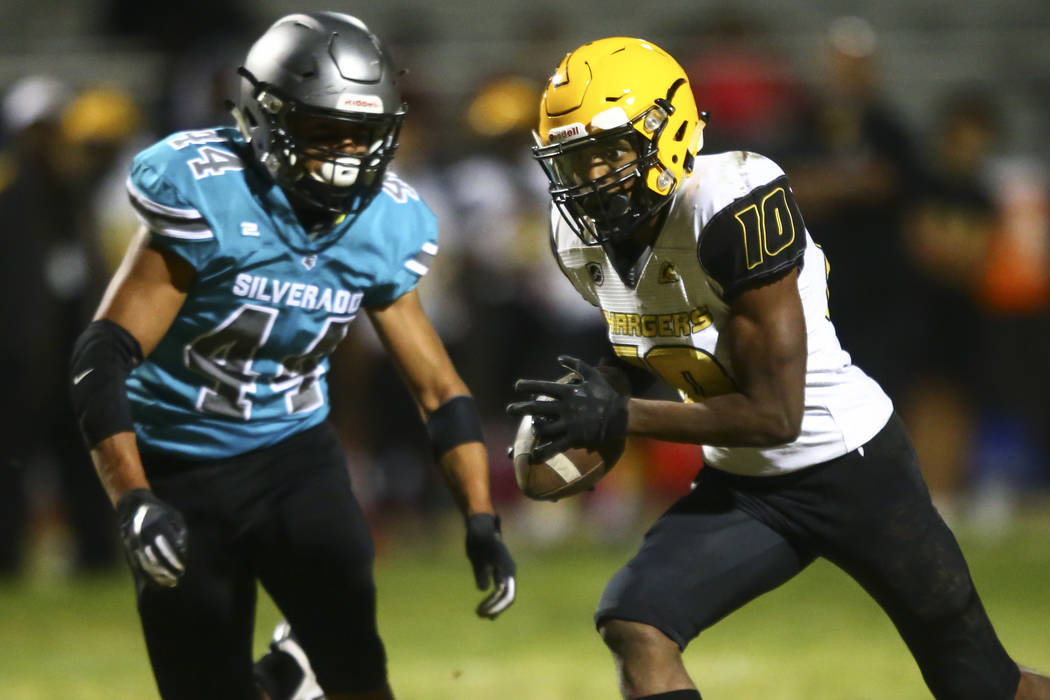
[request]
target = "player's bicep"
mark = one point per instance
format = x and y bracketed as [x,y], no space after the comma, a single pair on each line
[417,351]
[147,291]
[766,332]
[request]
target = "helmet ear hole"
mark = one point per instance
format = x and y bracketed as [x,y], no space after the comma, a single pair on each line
[680,134]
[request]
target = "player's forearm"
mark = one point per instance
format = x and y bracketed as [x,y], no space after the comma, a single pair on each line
[732,420]
[118,465]
[456,436]
[465,469]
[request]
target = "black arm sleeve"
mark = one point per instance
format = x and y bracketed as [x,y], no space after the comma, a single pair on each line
[453,423]
[103,356]
[758,237]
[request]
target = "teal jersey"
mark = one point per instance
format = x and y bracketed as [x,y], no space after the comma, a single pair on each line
[244,363]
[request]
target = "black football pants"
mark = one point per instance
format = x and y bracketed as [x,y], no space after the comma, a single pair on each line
[733,538]
[284,516]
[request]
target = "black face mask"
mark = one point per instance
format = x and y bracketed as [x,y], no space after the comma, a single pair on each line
[599,183]
[342,181]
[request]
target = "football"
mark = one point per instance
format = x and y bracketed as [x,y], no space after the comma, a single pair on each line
[564,474]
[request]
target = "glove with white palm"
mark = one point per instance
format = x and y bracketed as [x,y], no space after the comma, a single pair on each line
[154,536]
[491,560]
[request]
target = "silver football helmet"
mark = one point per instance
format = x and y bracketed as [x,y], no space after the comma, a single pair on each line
[321,107]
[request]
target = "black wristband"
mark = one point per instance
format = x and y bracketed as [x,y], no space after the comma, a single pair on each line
[454,423]
[483,524]
[103,356]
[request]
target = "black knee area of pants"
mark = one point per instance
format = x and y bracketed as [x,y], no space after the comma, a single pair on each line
[368,667]
[362,671]
[733,558]
[960,656]
[674,695]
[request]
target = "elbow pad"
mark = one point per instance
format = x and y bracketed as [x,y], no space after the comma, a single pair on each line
[103,356]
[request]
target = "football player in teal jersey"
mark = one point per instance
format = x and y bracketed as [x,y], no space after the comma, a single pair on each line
[201,387]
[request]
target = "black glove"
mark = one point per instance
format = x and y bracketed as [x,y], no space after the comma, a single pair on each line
[154,536]
[491,561]
[585,412]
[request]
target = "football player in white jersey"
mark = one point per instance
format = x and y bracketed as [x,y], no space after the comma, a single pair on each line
[708,279]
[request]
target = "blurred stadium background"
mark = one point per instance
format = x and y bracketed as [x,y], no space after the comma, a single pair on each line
[915,137]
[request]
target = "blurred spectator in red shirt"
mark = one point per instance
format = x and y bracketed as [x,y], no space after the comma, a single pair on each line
[747,85]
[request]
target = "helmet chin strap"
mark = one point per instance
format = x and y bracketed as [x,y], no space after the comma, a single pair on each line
[630,224]
[240,120]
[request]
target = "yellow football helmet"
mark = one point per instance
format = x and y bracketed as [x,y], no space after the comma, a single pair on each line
[618,131]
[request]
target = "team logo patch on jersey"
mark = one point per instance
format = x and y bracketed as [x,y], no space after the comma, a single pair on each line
[309,261]
[595,271]
[249,228]
[668,274]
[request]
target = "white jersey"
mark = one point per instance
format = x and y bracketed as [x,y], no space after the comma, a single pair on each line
[733,221]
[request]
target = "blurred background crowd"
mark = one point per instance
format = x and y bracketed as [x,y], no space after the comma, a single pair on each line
[913,135]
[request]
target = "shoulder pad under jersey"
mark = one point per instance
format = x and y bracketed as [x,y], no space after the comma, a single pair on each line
[748,224]
[172,186]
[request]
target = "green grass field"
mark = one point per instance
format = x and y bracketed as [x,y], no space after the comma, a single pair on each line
[816,638]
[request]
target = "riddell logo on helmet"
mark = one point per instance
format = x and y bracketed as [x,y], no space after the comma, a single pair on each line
[564,133]
[360,103]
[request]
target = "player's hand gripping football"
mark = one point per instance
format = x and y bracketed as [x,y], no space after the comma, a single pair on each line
[154,536]
[585,412]
[491,561]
